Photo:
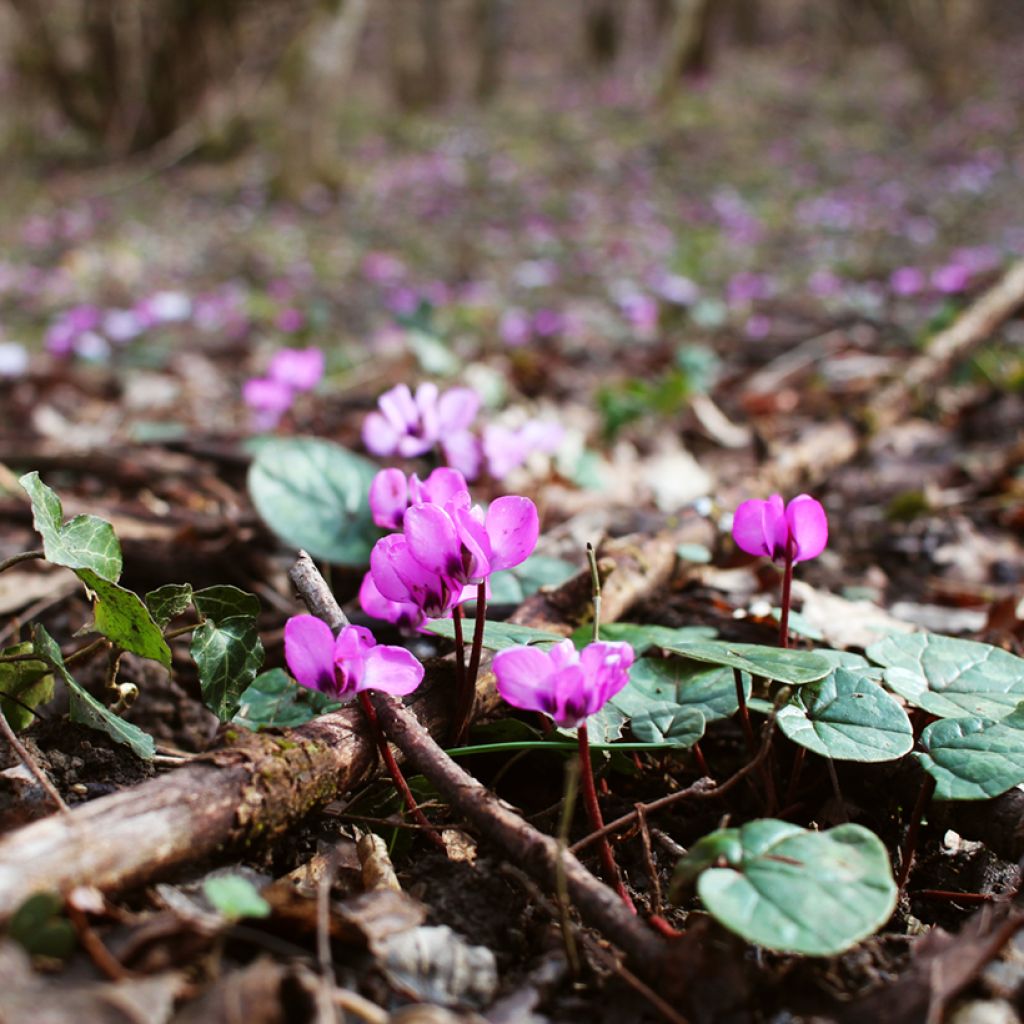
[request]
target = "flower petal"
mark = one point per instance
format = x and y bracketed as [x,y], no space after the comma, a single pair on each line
[383,559]
[606,666]
[403,614]
[462,450]
[574,697]
[523,676]
[309,652]
[389,498]
[808,526]
[513,526]
[439,488]
[398,407]
[456,409]
[391,670]
[434,540]
[753,526]
[379,435]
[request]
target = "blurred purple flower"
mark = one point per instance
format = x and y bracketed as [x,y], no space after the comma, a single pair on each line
[907,281]
[409,426]
[547,323]
[746,287]
[290,320]
[641,311]
[951,279]
[268,399]
[758,326]
[514,328]
[391,493]
[506,449]
[300,369]
[771,529]
[563,683]
[345,665]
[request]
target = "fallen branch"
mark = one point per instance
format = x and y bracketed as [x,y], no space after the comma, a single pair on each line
[255,789]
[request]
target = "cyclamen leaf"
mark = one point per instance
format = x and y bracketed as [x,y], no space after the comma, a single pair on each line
[273,700]
[951,678]
[228,655]
[123,619]
[168,602]
[848,717]
[793,890]
[675,680]
[85,708]
[668,724]
[498,636]
[783,665]
[974,758]
[643,638]
[85,542]
[225,602]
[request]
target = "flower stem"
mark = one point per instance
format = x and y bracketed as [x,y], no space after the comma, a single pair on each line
[24,556]
[468,695]
[610,868]
[787,587]
[460,671]
[910,843]
[395,772]
[595,589]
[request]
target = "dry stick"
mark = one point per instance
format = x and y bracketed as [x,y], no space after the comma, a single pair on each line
[538,854]
[262,784]
[29,762]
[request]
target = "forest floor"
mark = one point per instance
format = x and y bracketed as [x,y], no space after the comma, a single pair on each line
[712,302]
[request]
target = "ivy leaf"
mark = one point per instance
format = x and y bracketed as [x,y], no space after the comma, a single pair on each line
[781,664]
[168,602]
[85,542]
[40,928]
[274,699]
[123,619]
[31,682]
[974,758]
[950,678]
[668,725]
[498,636]
[85,708]
[314,495]
[790,889]
[847,717]
[225,602]
[228,655]
[643,638]
[678,681]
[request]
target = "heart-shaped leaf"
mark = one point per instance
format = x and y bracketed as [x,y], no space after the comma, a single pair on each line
[228,655]
[85,708]
[848,717]
[86,542]
[168,602]
[974,758]
[793,890]
[123,619]
[225,602]
[668,725]
[513,586]
[781,664]
[498,636]
[274,699]
[643,638]
[29,683]
[950,678]
[314,495]
[678,681]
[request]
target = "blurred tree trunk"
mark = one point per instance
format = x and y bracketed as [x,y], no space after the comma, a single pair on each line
[601,25]
[419,69]
[687,47]
[747,19]
[491,18]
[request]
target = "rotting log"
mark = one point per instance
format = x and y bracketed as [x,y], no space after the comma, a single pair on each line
[261,784]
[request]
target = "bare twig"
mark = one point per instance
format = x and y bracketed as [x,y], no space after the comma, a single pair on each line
[29,762]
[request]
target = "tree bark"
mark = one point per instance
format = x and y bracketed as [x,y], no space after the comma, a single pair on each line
[686,47]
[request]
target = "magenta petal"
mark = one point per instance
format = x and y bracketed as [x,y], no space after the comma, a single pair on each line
[462,450]
[398,406]
[433,540]
[309,652]
[389,497]
[513,526]
[379,436]
[440,487]
[523,676]
[391,670]
[383,559]
[606,666]
[456,409]
[808,526]
[474,540]
[750,529]
[574,697]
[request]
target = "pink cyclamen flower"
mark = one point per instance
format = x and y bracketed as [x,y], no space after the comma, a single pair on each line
[771,529]
[410,425]
[391,493]
[566,684]
[300,369]
[403,614]
[269,400]
[400,578]
[345,665]
[463,544]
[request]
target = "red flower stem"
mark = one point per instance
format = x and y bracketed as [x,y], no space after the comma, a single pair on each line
[794,773]
[460,670]
[787,587]
[469,690]
[741,700]
[702,765]
[916,816]
[609,867]
[395,772]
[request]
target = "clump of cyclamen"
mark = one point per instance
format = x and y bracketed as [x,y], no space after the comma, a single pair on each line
[291,372]
[565,684]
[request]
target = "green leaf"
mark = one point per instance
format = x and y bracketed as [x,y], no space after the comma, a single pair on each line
[85,708]
[86,542]
[604,727]
[30,681]
[848,717]
[228,655]
[668,724]
[974,758]
[643,638]
[675,680]
[314,495]
[225,602]
[235,897]
[783,665]
[497,635]
[123,619]
[168,602]
[40,929]
[513,586]
[950,678]
[793,890]
[274,699]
